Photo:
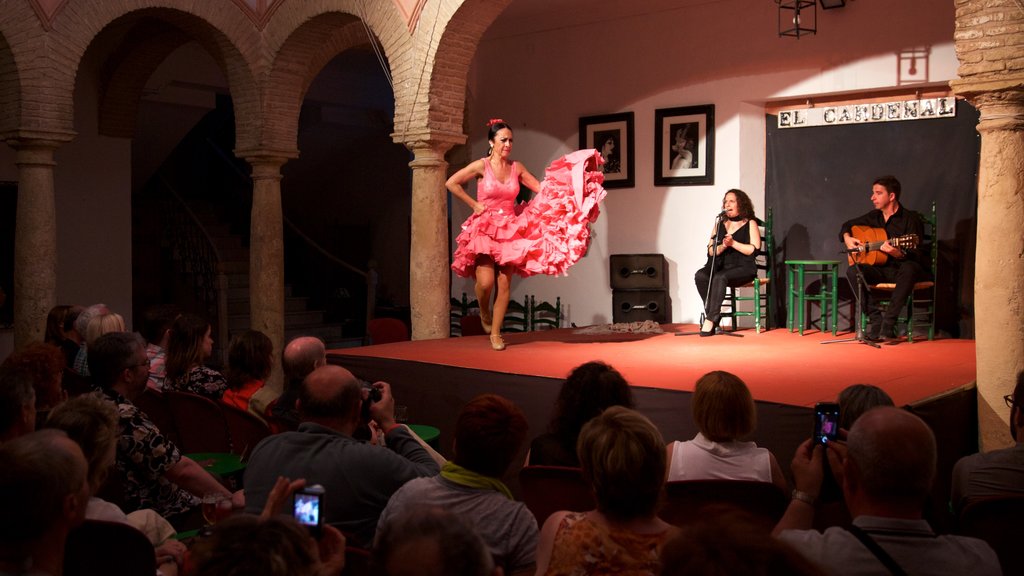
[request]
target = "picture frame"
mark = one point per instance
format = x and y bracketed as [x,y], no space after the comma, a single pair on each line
[692,130]
[612,136]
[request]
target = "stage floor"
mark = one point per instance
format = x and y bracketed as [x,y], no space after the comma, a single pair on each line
[777,365]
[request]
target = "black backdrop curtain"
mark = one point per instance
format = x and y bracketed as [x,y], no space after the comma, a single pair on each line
[817,178]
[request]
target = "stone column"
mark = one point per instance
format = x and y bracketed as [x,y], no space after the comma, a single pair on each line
[35,239]
[266,257]
[988,36]
[429,275]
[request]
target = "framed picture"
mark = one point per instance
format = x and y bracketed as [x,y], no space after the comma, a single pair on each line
[684,146]
[612,136]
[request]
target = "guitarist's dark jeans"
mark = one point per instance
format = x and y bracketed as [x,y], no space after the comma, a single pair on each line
[721,279]
[904,274]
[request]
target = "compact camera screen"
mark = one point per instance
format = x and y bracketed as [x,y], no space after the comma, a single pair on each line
[826,422]
[306,508]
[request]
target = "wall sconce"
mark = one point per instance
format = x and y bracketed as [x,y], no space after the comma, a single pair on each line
[797,17]
[830,4]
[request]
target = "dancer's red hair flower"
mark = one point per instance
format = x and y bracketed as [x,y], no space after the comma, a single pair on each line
[494,121]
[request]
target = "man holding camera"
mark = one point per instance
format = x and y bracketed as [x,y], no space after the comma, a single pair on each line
[358,477]
[885,469]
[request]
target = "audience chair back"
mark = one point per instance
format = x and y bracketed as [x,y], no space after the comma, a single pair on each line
[997,521]
[387,330]
[108,548]
[200,423]
[685,499]
[548,489]
[154,405]
[458,310]
[245,429]
[471,326]
[761,307]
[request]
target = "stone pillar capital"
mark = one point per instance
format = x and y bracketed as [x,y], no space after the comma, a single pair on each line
[266,164]
[426,143]
[36,148]
[1000,110]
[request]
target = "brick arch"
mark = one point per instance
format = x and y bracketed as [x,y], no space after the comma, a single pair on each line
[434,106]
[220,27]
[297,63]
[10,89]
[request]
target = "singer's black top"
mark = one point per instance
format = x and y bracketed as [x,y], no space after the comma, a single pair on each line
[731,258]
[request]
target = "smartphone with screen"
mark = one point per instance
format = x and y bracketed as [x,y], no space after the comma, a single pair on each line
[826,422]
[308,508]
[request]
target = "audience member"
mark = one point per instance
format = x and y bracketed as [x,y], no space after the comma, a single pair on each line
[17,403]
[359,478]
[81,363]
[43,494]
[156,329]
[44,365]
[623,459]
[250,358]
[995,473]
[55,325]
[430,541]
[857,399]
[589,389]
[489,432]
[92,423]
[724,412]
[156,474]
[728,542]
[101,324]
[300,357]
[188,347]
[885,470]
[72,339]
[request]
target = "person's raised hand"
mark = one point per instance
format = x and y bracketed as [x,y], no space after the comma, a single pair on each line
[280,495]
[807,467]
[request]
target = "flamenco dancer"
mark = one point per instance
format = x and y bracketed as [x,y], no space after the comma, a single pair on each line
[544,236]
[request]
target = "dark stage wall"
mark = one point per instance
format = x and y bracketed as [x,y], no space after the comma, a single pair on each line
[817,178]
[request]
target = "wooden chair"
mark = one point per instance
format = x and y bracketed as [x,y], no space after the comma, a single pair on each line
[108,548]
[458,310]
[548,489]
[761,284]
[545,316]
[154,405]
[387,330]
[684,500]
[471,326]
[246,430]
[997,521]
[920,308]
[517,317]
[200,423]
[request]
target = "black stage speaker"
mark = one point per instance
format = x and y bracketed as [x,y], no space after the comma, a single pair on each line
[638,272]
[640,305]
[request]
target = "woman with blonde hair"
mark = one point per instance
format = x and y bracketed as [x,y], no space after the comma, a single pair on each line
[724,412]
[623,459]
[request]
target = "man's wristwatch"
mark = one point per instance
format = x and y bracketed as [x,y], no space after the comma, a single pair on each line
[804,497]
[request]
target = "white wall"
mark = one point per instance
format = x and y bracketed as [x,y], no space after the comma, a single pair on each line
[543,74]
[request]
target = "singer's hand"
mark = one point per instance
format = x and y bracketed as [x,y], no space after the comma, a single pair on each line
[727,241]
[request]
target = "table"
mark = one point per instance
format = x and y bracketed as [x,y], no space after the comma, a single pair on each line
[827,297]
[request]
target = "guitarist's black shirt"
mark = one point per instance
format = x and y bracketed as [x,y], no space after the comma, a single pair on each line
[903,222]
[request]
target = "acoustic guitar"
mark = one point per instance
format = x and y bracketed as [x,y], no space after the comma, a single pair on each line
[868,254]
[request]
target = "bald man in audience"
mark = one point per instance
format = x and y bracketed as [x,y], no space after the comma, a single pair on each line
[885,469]
[43,495]
[300,357]
[358,477]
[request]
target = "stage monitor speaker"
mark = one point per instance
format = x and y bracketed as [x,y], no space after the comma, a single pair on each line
[638,272]
[640,305]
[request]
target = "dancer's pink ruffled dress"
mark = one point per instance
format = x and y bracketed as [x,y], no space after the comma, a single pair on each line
[545,236]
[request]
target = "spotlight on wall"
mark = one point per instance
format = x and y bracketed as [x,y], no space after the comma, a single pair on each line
[797,17]
[830,4]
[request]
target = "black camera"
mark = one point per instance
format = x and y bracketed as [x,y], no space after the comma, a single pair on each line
[373,395]
[307,508]
[826,422]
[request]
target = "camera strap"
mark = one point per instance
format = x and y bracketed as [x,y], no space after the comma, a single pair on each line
[877,550]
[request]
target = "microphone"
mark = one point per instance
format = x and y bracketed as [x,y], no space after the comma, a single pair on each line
[722,214]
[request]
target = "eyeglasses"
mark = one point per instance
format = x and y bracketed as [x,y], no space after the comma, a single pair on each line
[1009,400]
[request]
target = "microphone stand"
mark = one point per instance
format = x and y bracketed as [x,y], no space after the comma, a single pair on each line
[859,290]
[711,276]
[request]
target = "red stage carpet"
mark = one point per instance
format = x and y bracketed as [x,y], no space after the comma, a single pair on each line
[777,365]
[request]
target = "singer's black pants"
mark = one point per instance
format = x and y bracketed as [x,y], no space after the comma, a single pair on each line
[719,280]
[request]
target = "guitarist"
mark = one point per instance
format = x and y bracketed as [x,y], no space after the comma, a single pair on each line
[903,267]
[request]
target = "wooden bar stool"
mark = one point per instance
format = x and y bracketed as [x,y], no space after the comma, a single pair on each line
[827,297]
